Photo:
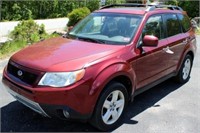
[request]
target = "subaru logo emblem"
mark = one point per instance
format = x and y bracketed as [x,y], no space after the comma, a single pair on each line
[19,73]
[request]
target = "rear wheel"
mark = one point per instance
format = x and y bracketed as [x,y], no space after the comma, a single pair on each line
[184,72]
[110,107]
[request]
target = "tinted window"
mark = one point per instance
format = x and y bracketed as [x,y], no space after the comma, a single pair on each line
[185,22]
[154,26]
[172,25]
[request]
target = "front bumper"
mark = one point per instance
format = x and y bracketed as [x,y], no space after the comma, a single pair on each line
[31,104]
[50,102]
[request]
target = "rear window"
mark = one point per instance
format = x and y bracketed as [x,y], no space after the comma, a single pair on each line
[172,24]
[185,22]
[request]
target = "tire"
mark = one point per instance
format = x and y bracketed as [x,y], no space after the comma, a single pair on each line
[110,107]
[184,73]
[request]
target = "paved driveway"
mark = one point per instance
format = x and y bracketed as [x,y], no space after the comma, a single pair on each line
[166,108]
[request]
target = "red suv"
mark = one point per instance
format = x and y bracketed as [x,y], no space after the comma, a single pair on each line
[109,57]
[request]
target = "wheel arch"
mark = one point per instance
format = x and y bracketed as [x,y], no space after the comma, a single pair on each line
[120,72]
[191,54]
[124,80]
[124,75]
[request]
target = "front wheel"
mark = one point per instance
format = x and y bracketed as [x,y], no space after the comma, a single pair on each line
[184,72]
[110,107]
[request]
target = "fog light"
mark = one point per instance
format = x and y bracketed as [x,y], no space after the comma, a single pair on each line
[66,113]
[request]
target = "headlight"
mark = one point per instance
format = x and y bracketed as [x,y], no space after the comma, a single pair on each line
[61,79]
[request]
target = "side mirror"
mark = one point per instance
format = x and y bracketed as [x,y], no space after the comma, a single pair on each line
[150,41]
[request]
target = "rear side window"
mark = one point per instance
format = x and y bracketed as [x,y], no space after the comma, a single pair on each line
[172,25]
[185,22]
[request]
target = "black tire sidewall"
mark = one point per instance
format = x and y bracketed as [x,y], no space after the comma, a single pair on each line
[180,74]
[97,119]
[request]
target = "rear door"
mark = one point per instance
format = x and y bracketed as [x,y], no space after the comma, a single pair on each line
[176,38]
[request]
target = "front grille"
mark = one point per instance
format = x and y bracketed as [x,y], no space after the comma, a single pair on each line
[23,75]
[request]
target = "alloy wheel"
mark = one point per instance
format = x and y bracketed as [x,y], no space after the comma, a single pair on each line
[186,69]
[113,107]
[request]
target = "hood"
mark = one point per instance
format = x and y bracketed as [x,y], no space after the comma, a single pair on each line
[62,54]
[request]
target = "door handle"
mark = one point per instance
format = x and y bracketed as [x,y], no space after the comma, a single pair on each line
[168,50]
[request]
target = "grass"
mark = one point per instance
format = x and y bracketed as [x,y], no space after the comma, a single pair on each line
[12,46]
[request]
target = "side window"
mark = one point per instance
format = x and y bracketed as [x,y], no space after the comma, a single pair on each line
[154,26]
[185,22]
[172,25]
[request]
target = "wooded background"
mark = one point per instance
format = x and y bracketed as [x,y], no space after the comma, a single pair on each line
[12,10]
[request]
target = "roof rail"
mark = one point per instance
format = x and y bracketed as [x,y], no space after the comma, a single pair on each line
[123,5]
[149,7]
[171,7]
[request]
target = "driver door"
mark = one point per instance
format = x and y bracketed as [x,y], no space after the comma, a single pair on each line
[152,63]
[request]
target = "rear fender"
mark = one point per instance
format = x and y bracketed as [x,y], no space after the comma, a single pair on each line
[189,48]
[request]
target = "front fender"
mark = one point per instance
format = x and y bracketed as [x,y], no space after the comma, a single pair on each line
[108,74]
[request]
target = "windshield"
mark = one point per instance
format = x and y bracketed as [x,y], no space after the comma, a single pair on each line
[108,28]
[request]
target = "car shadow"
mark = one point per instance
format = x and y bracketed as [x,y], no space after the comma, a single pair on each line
[16,117]
[149,99]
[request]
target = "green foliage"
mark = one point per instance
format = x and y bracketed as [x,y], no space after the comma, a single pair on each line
[19,11]
[42,9]
[28,31]
[172,2]
[52,35]
[10,47]
[93,5]
[108,2]
[77,14]
[16,9]
[191,7]
[15,45]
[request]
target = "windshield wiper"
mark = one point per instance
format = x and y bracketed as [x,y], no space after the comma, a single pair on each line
[83,38]
[91,40]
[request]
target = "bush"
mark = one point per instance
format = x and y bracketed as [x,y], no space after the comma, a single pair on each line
[28,31]
[172,2]
[25,32]
[10,47]
[192,7]
[76,15]
[108,2]
[93,5]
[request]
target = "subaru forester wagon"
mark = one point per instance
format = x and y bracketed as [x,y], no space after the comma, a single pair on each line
[108,58]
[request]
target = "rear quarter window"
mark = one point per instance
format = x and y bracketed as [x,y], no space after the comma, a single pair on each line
[185,22]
